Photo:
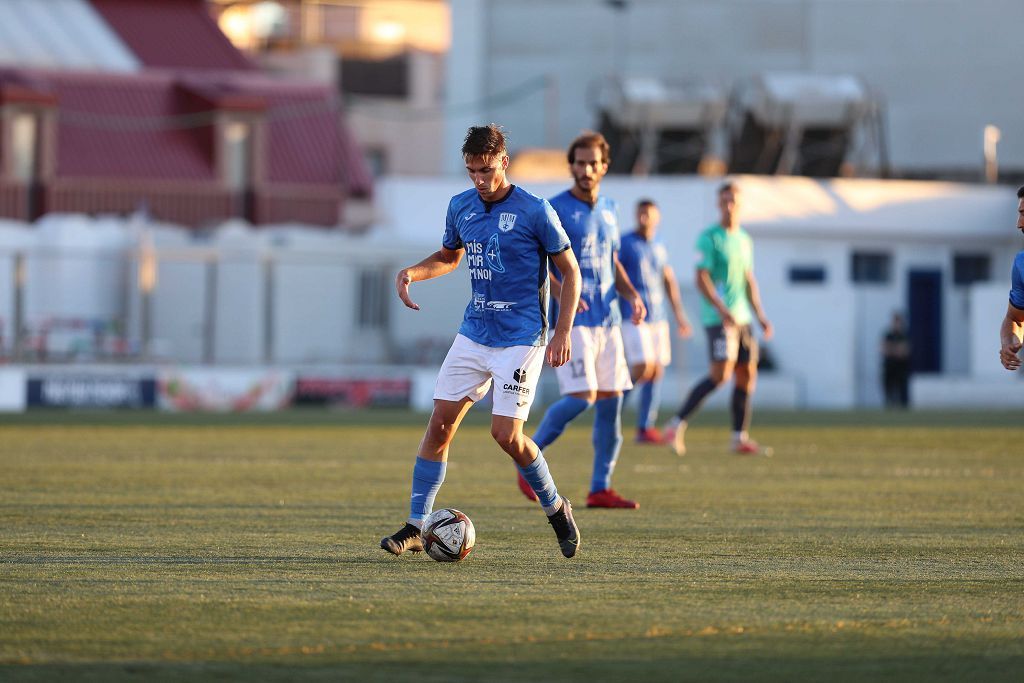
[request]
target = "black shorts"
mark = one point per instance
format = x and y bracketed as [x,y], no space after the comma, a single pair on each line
[740,345]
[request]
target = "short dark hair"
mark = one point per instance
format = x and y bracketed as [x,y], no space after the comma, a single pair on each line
[728,186]
[1020,192]
[589,138]
[644,203]
[485,141]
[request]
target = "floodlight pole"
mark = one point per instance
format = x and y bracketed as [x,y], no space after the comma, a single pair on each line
[19,303]
[990,140]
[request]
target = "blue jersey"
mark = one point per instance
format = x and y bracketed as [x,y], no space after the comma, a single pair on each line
[594,233]
[1017,282]
[507,245]
[644,262]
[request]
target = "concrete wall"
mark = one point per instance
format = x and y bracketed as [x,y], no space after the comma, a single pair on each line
[944,68]
[289,295]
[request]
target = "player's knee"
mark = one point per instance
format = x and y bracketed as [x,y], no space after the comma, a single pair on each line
[505,435]
[439,432]
[720,375]
[588,396]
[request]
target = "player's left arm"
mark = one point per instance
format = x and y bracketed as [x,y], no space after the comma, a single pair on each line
[560,347]
[625,288]
[1011,336]
[754,297]
[672,291]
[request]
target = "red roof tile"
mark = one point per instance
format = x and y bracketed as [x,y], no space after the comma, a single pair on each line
[126,127]
[172,34]
[156,125]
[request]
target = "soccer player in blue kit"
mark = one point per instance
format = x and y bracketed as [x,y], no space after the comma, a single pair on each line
[597,374]
[647,344]
[508,237]
[1011,332]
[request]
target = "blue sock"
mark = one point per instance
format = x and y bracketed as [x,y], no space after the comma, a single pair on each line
[647,410]
[607,441]
[543,485]
[427,476]
[559,414]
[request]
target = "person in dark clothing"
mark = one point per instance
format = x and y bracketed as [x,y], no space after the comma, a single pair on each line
[896,364]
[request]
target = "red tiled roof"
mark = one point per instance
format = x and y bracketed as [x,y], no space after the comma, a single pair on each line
[126,127]
[172,34]
[149,126]
[308,144]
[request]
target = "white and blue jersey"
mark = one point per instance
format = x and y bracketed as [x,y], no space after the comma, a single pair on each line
[1017,282]
[644,262]
[507,245]
[594,233]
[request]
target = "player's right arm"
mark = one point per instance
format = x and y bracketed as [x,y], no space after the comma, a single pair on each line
[1011,335]
[672,291]
[705,285]
[441,262]
[707,288]
[560,347]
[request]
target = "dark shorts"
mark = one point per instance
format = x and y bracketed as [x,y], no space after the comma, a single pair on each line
[739,346]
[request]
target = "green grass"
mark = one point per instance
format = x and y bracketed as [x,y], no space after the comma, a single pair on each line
[870,547]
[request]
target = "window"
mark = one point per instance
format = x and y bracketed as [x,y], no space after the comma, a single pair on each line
[806,275]
[971,268]
[238,155]
[374,298]
[387,77]
[873,267]
[25,146]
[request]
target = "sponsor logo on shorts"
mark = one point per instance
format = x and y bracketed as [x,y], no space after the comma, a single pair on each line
[500,305]
[519,375]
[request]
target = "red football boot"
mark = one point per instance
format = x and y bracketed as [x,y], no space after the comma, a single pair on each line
[610,499]
[748,447]
[649,435]
[525,487]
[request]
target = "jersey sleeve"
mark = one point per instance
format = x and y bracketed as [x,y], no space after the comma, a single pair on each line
[1017,282]
[705,252]
[616,235]
[452,239]
[549,229]
[660,256]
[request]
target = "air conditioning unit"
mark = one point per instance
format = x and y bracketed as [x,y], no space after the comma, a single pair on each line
[796,123]
[658,126]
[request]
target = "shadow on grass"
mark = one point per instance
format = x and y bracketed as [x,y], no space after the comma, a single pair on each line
[663,666]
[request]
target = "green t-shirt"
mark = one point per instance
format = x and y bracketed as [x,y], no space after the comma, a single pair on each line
[727,257]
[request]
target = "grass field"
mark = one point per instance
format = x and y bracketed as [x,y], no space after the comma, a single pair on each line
[870,547]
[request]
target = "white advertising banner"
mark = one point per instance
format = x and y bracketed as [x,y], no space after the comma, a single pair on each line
[224,390]
[12,390]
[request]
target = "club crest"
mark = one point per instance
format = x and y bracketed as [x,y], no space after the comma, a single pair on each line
[506,222]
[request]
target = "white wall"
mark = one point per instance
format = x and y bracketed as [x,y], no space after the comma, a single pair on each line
[827,334]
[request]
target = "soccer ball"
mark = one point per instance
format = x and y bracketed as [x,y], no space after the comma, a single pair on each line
[448,535]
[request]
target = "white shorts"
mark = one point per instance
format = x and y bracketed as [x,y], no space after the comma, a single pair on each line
[647,343]
[469,367]
[597,362]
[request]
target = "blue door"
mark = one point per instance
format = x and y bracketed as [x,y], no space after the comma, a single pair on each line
[924,297]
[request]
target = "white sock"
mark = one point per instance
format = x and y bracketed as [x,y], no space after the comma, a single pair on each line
[552,509]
